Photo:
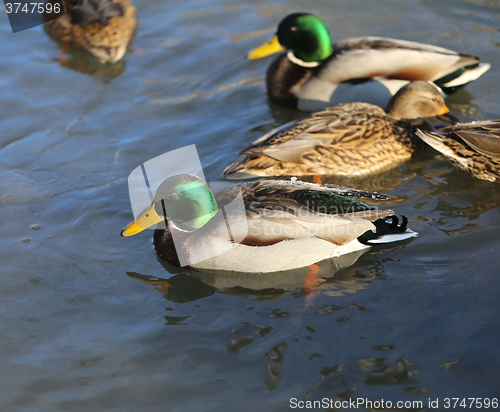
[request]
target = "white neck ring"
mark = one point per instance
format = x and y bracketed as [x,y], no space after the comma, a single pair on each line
[299,62]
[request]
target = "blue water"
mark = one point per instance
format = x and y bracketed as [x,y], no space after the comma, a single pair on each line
[92,321]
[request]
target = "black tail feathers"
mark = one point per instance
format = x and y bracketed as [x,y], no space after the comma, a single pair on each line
[387,230]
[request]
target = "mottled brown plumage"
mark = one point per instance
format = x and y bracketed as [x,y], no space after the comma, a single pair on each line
[102,27]
[473,147]
[353,139]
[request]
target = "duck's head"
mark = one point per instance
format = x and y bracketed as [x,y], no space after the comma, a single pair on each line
[184,200]
[417,100]
[302,33]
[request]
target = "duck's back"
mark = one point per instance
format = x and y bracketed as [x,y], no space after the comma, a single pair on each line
[352,139]
[373,69]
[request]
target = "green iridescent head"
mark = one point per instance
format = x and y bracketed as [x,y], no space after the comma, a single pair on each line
[306,35]
[302,33]
[184,199]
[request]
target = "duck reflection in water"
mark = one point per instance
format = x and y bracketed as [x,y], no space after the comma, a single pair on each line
[187,285]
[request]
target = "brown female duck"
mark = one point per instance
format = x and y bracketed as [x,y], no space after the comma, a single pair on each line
[102,27]
[474,148]
[353,139]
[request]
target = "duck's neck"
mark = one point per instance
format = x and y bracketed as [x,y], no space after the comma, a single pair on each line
[175,244]
[165,246]
[403,114]
[285,80]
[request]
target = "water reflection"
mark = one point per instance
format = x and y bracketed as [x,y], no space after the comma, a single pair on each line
[188,285]
[80,61]
[455,211]
[283,329]
[245,334]
[379,373]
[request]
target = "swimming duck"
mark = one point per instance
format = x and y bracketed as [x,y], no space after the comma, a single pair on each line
[473,147]
[314,73]
[102,27]
[283,225]
[351,139]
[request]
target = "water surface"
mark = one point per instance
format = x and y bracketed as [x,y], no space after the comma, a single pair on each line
[91,321]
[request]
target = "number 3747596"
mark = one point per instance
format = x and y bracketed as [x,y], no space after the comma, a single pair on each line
[476,403]
[33,8]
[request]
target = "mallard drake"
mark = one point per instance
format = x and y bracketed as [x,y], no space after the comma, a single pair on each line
[102,27]
[351,139]
[285,224]
[314,74]
[473,147]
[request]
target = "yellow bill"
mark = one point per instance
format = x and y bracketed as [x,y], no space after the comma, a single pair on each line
[271,47]
[447,117]
[147,219]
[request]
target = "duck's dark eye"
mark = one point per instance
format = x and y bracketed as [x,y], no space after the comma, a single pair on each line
[434,99]
[293,28]
[171,196]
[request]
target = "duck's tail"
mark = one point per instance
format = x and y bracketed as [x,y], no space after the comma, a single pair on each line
[451,82]
[387,230]
[437,141]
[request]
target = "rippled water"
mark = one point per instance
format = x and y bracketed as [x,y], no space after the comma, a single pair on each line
[91,321]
